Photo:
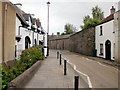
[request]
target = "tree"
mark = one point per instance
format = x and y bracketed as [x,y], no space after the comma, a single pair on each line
[69,29]
[97,14]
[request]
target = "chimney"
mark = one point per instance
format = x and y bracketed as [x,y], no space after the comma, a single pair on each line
[19,5]
[58,33]
[52,34]
[112,9]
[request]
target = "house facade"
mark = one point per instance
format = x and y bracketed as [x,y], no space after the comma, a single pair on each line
[105,37]
[29,31]
[7,32]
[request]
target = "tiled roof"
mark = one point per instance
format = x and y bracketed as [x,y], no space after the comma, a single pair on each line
[20,14]
[110,17]
[26,16]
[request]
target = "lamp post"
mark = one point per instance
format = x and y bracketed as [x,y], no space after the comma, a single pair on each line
[48,5]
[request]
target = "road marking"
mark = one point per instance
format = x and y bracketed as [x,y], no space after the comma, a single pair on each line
[106,66]
[89,60]
[88,78]
[101,64]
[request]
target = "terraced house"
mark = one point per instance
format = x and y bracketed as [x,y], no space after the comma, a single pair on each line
[107,37]
[29,31]
[18,31]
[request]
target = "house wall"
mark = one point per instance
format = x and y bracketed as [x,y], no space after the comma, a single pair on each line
[9,20]
[23,32]
[108,29]
[117,36]
[35,37]
[1,32]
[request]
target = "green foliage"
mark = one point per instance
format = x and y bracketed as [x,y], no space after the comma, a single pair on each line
[69,29]
[27,58]
[97,13]
[88,22]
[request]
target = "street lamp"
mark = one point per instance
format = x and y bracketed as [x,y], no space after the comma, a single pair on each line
[48,5]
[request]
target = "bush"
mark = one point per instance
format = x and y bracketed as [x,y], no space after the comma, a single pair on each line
[27,58]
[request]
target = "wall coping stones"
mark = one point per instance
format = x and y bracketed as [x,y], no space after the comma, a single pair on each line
[19,81]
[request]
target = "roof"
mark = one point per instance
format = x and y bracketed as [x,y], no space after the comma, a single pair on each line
[20,15]
[108,18]
[26,16]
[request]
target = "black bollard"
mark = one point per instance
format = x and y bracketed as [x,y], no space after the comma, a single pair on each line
[65,67]
[57,55]
[60,59]
[76,82]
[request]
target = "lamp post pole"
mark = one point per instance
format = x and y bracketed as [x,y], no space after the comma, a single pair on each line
[48,5]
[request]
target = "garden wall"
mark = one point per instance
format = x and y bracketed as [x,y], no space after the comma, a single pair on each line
[81,42]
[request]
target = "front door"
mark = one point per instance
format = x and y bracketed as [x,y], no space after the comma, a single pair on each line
[108,50]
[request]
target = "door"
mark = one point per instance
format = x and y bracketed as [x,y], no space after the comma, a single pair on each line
[108,50]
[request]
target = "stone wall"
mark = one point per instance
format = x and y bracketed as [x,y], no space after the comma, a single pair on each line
[81,42]
[59,42]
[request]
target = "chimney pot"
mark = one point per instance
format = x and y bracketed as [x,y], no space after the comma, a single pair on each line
[112,9]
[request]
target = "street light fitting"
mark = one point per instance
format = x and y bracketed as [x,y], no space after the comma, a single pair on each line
[48,3]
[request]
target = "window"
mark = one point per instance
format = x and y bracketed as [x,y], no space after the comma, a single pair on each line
[101,49]
[101,31]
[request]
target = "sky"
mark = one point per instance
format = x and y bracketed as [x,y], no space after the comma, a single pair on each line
[64,11]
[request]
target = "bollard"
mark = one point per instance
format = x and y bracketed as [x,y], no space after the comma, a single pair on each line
[65,67]
[57,55]
[76,82]
[60,59]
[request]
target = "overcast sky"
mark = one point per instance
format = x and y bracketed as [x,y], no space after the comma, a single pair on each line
[64,11]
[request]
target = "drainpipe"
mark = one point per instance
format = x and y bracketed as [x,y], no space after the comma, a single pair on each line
[19,29]
[37,38]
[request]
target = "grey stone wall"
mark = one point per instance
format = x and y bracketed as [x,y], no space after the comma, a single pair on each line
[60,44]
[81,42]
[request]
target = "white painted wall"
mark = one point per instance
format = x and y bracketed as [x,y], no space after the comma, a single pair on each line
[108,29]
[25,32]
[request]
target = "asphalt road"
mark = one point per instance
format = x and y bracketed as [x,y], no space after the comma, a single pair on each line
[100,75]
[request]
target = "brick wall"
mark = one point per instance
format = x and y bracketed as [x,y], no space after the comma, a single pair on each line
[81,42]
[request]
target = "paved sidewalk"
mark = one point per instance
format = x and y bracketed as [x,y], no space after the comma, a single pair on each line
[50,75]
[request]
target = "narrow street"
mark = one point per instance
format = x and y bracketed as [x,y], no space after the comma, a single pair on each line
[101,75]
[91,73]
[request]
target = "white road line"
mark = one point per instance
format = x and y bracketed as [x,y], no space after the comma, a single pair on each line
[89,82]
[106,66]
[101,64]
[89,59]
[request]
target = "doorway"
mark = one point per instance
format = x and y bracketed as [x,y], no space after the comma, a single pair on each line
[108,50]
